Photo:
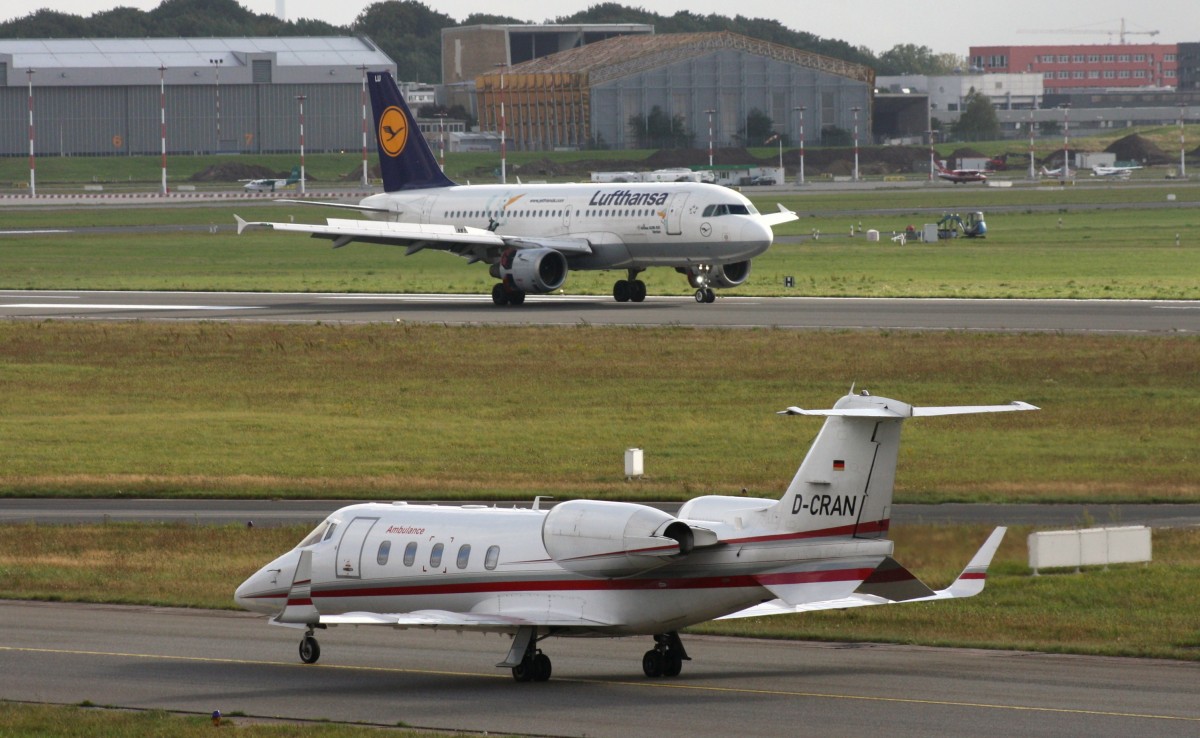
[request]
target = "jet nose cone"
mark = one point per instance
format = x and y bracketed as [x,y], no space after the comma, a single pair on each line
[757,235]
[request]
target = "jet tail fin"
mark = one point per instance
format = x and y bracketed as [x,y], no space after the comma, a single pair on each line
[295,175]
[405,159]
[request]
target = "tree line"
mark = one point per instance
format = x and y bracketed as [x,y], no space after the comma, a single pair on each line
[410,32]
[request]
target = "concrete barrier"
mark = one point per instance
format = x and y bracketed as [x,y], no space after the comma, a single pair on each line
[1056,549]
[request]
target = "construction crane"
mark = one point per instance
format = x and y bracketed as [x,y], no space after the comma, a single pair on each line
[1120,33]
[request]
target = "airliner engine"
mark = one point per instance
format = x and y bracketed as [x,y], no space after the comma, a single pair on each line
[532,270]
[615,539]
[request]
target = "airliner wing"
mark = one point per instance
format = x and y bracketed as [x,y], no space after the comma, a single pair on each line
[783,216]
[891,584]
[475,244]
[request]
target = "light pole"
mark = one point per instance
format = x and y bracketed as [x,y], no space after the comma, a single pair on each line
[932,165]
[162,120]
[216,64]
[1032,173]
[503,144]
[301,99]
[32,169]
[855,109]
[800,109]
[1066,168]
[442,139]
[1182,142]
[365,180]
[710,138]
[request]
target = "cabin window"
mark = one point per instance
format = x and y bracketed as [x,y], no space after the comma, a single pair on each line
[410,553]
[491,558]
[464,555]
[435,556]
[385,548]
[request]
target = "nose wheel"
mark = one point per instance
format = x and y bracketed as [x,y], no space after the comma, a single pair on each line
[310,650]
[706,295]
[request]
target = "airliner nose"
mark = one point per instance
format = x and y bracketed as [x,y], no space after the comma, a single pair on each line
[266,590]
[757,235]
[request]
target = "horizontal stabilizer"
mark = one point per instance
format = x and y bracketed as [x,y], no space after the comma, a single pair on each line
[902,410]
[783,216]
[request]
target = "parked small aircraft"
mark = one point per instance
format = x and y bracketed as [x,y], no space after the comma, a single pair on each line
[958,176]
[1059,172]
[271,185]
[1120,172]
[533,235]
[600,568]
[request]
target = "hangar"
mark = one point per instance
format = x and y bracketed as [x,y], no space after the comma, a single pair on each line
[222,95]
[587,96]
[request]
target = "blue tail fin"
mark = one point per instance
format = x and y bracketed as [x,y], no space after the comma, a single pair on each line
[405,159]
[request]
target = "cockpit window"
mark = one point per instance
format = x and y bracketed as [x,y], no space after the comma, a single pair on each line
[329,533]
[314,536]
[737,208]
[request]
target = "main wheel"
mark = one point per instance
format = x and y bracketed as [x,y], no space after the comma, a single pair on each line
[516,298]
[637,292]
[709,296]
[541,668]
[652,664]
[499,294]
[310,650]
[672,664]
[523,672]
[622,290]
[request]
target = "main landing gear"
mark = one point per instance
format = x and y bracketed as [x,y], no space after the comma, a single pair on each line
[666,658]
[631,289]
[502,295]
[526,660]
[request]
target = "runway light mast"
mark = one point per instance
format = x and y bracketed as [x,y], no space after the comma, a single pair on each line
[32,169]
[301,99]
[710,137]
[366,182]
[800,109]
[162,119]
[855,109]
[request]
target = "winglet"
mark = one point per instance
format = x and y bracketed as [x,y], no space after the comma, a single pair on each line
[300,608]
[970,582]
[241,224]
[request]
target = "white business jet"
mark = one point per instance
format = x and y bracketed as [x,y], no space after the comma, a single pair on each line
[598,568]
[533,235]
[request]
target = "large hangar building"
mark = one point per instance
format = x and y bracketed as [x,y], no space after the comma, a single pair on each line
[101,96]
[586,96]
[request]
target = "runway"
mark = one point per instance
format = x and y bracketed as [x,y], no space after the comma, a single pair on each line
[199,661]
[1067,316]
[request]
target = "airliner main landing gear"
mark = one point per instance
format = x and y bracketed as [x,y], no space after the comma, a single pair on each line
[502,295]
[666,658]
[631,289]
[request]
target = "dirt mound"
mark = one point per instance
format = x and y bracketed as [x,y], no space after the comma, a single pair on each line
[966,152]
[1135,148]
[232,171]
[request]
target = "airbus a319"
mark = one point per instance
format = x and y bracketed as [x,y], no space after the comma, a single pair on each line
[533,236]
[600,568]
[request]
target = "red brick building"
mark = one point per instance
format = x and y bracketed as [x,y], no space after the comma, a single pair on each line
[1074,66]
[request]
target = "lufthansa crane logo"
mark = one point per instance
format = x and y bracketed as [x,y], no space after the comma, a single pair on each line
[393,131]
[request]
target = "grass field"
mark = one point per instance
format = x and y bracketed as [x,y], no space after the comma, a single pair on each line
[419,411]
[87,721]
[1136,610]
[1066,251]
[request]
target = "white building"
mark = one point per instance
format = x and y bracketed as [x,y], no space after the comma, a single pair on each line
[948,93]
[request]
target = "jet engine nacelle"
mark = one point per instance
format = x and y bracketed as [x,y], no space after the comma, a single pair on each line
[613,539]
[532,270]
[722,275]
